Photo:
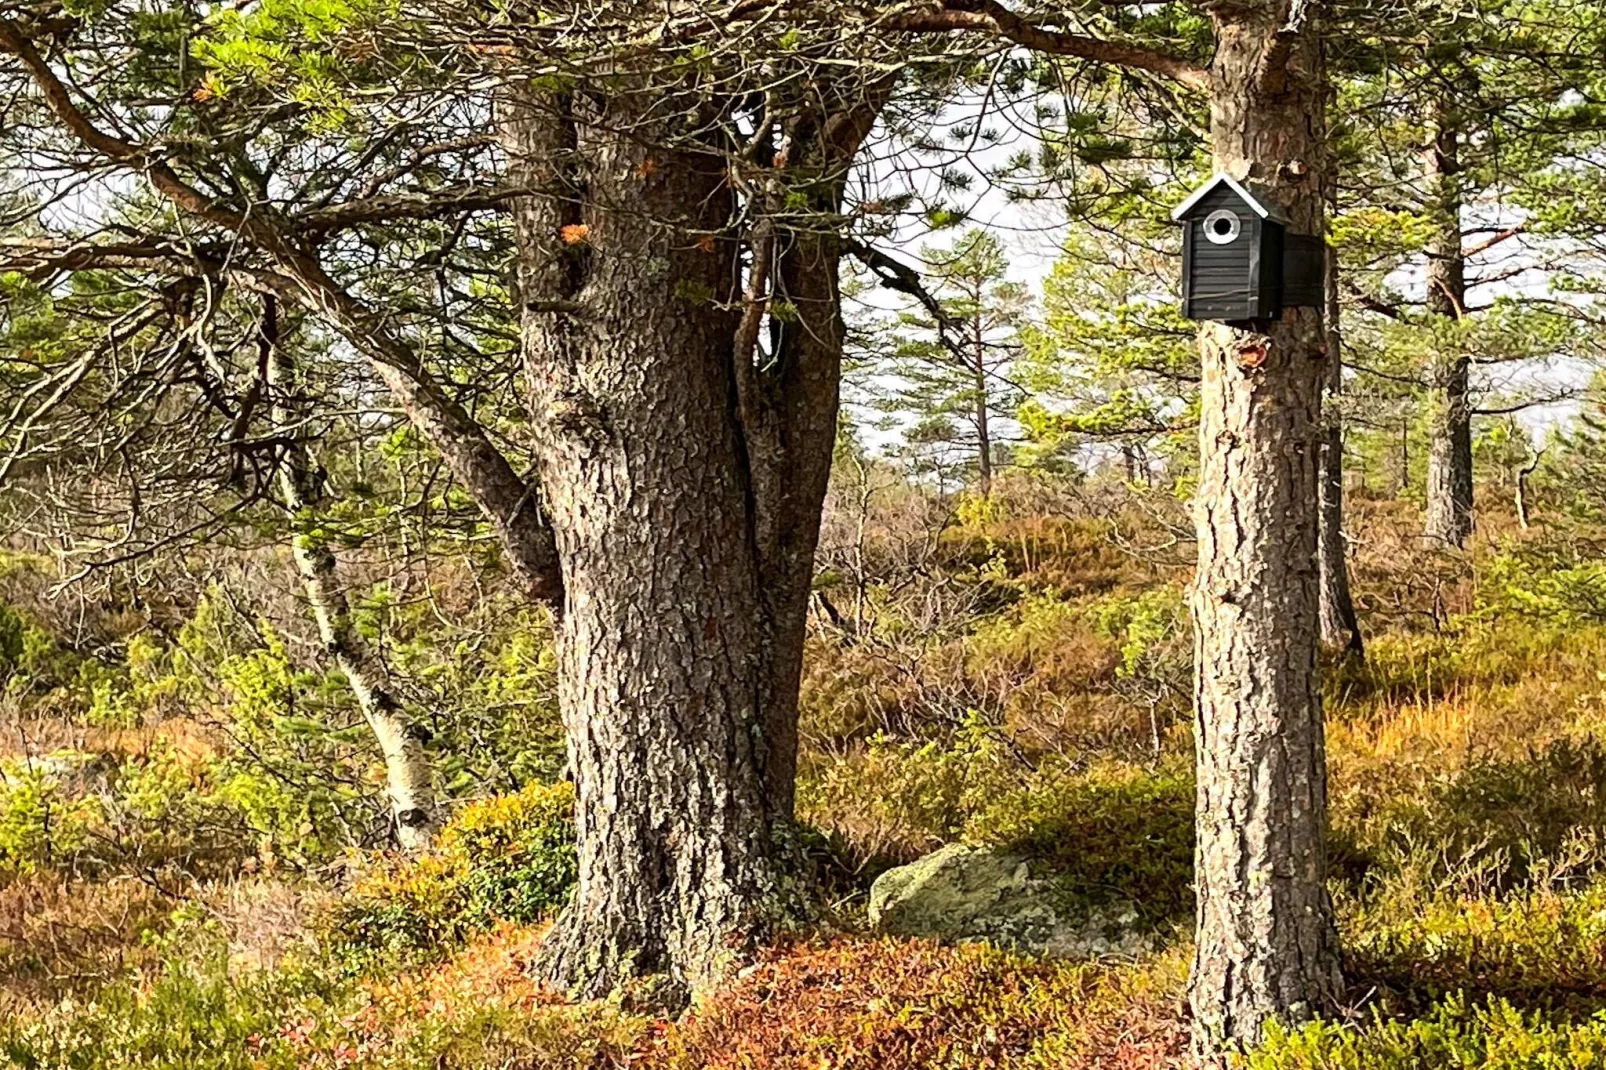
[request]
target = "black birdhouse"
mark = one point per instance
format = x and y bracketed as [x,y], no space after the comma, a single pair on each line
[1238,261]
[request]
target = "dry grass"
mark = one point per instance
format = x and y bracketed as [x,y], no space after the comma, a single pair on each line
[60,936]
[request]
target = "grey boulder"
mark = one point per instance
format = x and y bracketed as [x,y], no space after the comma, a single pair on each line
[965,894]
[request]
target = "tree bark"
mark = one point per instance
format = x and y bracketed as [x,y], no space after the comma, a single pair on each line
[1449,481]
[685,481]
[1339,626]
[1267,946]
[301,489]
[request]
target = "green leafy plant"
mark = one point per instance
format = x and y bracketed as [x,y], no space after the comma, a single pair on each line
[510,858]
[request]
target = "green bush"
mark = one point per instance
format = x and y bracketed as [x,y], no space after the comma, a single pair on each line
[41,822]
[1545,589]
[509,858]
[1497,823]
[1109,834]
[1455,1035]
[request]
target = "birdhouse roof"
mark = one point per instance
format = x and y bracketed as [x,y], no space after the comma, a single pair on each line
[1257,203]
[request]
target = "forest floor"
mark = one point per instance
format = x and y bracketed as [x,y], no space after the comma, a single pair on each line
[1019,677]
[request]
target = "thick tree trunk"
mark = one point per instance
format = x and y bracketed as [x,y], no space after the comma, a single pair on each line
[795,438]
[684,480]
[1449,486]
[407,767]
[1267,946]
[628,338]
[1339,626]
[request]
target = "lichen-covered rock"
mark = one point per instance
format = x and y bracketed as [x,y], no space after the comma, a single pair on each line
[965,894]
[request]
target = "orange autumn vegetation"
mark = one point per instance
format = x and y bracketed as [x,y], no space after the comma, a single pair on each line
[850,1004]
[837,1003]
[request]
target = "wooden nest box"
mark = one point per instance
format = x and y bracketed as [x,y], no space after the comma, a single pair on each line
[1239,264]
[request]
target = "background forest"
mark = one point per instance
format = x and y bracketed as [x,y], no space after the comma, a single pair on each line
[283,769]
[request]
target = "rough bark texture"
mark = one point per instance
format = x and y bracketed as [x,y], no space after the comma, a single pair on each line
[1449,489]
[1339,626]
[684,483]
[1266,945]
[407,767]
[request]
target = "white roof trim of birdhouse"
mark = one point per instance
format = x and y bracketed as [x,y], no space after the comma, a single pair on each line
[1260,208]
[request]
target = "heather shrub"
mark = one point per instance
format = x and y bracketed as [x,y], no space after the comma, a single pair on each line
[1494,824]
[61,935]
[905,1005]
[1454,1035]
[197,1012]
[1110,834]
[507,858]
[1539,946]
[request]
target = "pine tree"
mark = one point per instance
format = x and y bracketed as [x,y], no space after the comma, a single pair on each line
[943,372]
[1474,122]
[1113,364]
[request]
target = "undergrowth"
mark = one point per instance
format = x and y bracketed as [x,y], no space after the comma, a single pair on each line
[1032,697]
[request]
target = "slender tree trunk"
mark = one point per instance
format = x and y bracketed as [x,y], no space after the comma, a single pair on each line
[1524,472]
[792,434]
[1340,628]
[1267,946]
[1404,483]
[1449,487]
[407,766]
[684,480]
[984,439]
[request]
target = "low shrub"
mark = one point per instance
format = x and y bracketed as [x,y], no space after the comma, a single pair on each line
[903,1005]
[1455,1035]
[1112,833]
[1540,947]
[890,802]
[508,858]
[479,1009]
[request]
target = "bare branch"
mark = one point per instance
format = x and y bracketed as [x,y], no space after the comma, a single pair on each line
[506,498]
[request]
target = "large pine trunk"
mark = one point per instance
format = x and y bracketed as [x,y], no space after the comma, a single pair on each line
[1267,945]
[684,482]
[1449,483]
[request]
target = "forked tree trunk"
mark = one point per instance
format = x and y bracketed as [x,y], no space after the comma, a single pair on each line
[684,485]
[1339,626]
[1449,486]
[1267,945]
[401,744]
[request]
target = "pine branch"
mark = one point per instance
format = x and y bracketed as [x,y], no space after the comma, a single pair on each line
[990,16]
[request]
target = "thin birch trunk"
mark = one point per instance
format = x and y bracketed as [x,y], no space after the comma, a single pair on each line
[407,767]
